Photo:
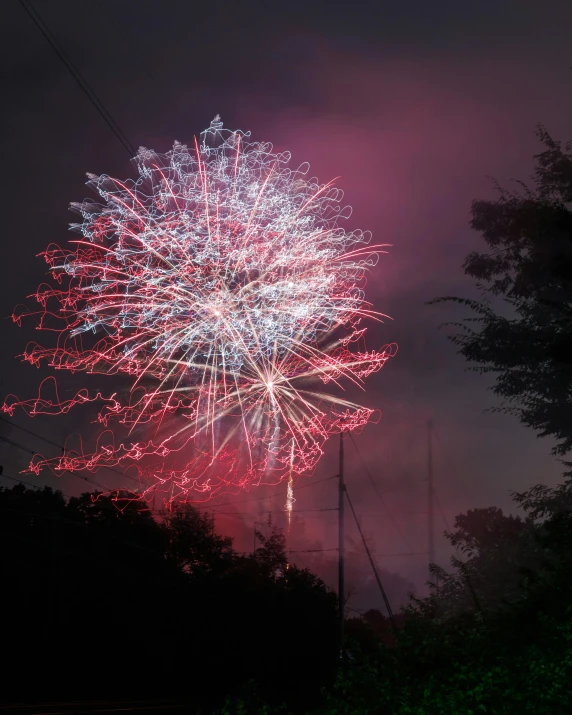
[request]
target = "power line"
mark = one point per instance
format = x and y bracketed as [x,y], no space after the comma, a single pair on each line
[212,508]
[289,551]
[93,482]
[379,496]
[35,486]
[271,496]
[75,474]
[308,551]
[404,553]
[97,484]
[304,564]
[54,444]
[79,78]
[379,556]
[403,513]
[16,444]
[371,561]
[274,511]
[62,519]
[306,511]
[21,481]
[121,474]
[34,434]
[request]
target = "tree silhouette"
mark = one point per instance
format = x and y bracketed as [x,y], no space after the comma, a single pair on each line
[103,598]
[528,348]
[192,542]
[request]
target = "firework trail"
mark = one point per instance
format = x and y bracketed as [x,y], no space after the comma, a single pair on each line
[290,489]
[220,285]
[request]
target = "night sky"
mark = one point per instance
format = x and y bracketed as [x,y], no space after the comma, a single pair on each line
[412,104]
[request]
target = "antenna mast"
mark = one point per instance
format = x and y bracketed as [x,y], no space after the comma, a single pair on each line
[430,493]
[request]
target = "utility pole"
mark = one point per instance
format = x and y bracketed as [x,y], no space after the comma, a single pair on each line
[430,493]
[341,564]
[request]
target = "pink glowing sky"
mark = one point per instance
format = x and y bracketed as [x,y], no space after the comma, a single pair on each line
[411,156]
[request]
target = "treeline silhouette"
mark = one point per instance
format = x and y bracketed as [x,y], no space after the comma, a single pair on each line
[102,599]
[494,636]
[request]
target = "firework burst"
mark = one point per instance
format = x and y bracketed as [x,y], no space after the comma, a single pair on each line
[221,284]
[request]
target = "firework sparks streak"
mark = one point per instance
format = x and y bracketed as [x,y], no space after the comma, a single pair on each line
[221,286]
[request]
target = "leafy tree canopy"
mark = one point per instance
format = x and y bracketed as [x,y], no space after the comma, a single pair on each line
[102,597]
[529,268]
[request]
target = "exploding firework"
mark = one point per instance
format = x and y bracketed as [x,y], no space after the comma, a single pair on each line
[221,286]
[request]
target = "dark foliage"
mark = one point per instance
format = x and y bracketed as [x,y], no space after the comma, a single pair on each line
[507,651]
[102,599]
[529,269]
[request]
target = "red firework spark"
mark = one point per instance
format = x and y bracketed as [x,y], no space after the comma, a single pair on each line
[221,286]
